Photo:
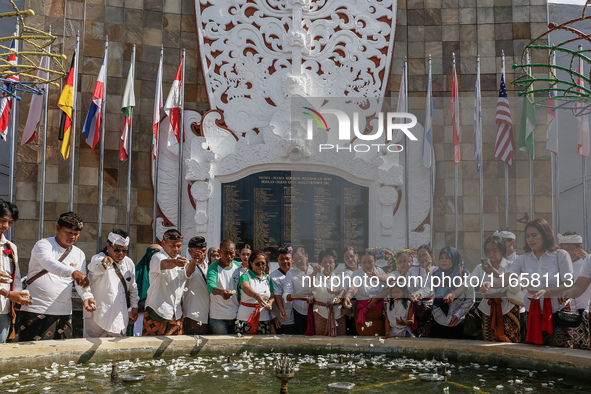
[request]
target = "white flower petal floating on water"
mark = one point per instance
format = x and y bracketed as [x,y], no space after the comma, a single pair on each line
[476,388]
[517,381]
[499,386]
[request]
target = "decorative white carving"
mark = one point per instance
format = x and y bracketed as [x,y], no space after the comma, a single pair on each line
[201,218]
[201,191]
[387,195]
[256,53]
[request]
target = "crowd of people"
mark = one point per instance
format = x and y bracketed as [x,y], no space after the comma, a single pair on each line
[540,297]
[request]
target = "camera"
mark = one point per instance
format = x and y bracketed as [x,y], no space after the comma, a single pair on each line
[485,263]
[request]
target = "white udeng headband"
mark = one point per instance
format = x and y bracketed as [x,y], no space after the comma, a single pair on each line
[117,239]
[505,234]
[570,239]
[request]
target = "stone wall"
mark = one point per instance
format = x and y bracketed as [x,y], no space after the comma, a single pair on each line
[435,27]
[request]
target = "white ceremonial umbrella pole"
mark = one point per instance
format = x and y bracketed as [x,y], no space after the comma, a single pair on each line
[43,154]
[585,211]
[181,137]
[129,150]
[102,163]
[73,126]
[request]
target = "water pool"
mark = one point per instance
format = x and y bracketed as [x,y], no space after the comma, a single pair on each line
[370,373]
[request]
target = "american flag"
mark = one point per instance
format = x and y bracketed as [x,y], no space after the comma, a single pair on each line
[505,143]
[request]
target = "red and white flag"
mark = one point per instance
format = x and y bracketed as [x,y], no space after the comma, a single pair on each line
[505,143]
[36,105]
[583,147]
[6,99]
[455,111]
[127,104]
[173,107]
[158,104]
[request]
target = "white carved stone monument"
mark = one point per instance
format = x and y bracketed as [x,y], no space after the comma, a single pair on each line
[260,57]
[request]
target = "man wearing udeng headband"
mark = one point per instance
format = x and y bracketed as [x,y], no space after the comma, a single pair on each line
[168,276]
[55,263]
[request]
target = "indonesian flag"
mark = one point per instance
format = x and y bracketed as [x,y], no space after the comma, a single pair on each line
[583,146]
[127,105]
[551,124]
[92,125]
[158,104]
[36,105]
[6,100]
[173,106]
[455,111]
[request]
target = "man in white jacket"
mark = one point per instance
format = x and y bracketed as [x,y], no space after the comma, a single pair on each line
[55,263]
[112,279]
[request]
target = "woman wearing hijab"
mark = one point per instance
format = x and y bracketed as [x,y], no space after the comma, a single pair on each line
[449,307]
[213,253]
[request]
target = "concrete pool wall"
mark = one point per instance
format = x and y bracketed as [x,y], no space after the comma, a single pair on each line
[565,362]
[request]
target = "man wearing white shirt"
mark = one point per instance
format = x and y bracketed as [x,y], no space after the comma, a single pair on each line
[196,298]
[55,263]
[10,276]
[222,282]
[282,311]
[169,273]
[112,279]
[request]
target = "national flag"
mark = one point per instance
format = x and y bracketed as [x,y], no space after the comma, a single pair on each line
[173,106]
[505,143]
[583,146]
[455,111]
[428,129]
[127,105]
[94,119]
[66,104]
[478,122]
[158,104]
[36,105]
[7,88]
[552,122]
[528,124]
[401,105]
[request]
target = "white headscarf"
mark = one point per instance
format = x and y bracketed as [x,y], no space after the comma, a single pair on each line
[117,239]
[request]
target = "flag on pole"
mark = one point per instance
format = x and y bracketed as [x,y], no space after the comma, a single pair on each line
[173,106]
[36,105]
[92,125]
[455,110]
[505,143]
[528,124]
[478,121]
[7,88]
[66,104]
[583,146]
[127,105]
[158,104]
[428,129]
[552,122]
[401,105]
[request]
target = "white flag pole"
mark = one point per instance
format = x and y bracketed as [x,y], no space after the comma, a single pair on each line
[73,126]
[129,148]
[157,103]
[181,137]
[43,153]
[406,144]
[102,163]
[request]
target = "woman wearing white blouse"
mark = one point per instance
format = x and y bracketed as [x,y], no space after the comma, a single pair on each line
[543,266]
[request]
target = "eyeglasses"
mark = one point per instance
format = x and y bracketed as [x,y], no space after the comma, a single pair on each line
[119,250]
[259,264]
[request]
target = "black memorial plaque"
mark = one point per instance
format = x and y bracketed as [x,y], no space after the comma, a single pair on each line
[311,209]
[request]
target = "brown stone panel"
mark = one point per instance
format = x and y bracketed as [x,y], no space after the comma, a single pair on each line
[145,198]
[521,30]
[415,17]
[144,234]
